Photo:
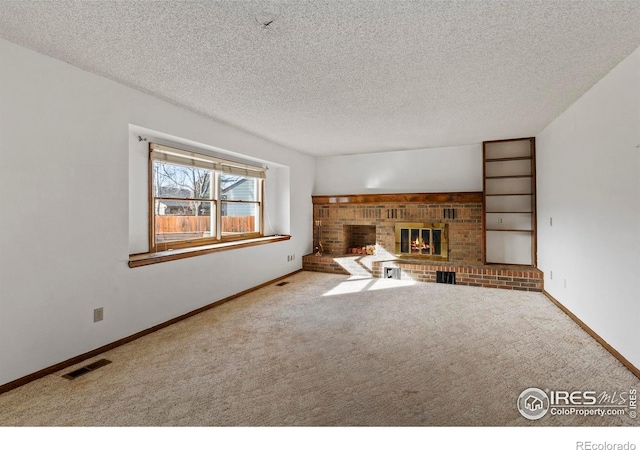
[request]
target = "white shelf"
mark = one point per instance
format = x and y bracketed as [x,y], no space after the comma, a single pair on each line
[509,200]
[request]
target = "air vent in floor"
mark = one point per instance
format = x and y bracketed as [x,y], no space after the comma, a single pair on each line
[282,283]
[86,369]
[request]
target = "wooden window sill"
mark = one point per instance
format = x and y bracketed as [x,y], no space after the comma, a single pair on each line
[145,259]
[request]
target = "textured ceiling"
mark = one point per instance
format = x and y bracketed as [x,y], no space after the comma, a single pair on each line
[345,77]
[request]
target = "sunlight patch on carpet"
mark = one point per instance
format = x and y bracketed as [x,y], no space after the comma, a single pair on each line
[354,285]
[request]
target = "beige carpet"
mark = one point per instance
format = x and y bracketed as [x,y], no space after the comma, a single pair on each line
[327,350]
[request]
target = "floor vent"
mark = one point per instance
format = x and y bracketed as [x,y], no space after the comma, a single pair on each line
[86,369]
[282,283]
[445,277]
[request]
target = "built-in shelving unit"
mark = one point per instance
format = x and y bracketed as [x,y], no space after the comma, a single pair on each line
[509,202]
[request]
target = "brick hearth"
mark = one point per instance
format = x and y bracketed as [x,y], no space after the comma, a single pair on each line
[519,278]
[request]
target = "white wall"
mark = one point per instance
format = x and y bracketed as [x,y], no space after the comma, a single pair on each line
[449,169]
[65,233]
[588,180]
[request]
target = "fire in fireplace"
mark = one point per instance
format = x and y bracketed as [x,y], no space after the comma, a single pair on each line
[422,240]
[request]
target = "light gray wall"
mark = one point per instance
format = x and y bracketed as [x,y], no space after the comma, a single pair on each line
[450,169]
[66,170]
[588,164]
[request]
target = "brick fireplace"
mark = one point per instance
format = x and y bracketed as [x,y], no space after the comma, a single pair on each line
[345,223]
[371,219]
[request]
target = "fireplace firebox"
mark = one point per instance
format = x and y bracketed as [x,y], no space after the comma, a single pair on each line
[422,240]
[359,238]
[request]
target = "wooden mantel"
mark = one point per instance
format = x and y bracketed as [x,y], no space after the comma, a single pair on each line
[434,197]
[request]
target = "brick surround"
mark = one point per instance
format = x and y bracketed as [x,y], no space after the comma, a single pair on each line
[342,218]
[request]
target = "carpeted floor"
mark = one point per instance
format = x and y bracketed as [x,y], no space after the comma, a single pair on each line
[326,350]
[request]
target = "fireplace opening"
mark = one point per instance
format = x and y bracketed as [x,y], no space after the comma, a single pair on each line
[422,240]
[360,239]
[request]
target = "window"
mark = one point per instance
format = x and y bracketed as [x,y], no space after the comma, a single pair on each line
[197,199]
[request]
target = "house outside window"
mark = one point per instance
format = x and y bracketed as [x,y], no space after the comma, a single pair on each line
[196,199]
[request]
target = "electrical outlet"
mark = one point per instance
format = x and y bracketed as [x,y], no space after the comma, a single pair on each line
[500,220]
[551,274]
[565,283]
[98,314]
[550,221]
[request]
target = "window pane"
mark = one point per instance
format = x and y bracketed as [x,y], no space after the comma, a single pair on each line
[173,181]
[437,242]
[415,241]
[426,241]
[404,240]
[183,220]
[239,218]
[237,187]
